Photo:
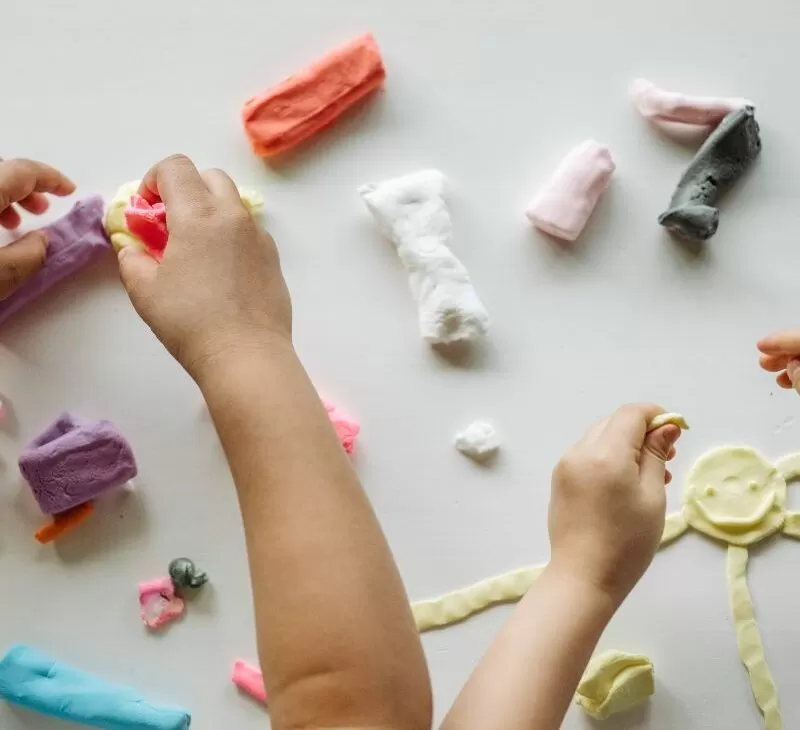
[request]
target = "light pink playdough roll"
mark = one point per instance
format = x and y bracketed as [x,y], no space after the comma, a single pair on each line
[670,106]
[564,205]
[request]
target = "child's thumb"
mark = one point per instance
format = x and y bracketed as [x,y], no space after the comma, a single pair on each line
[655,453]
[136,269]
[793,371]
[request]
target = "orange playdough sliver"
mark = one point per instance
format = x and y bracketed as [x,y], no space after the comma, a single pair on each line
[64,522]
[313,99]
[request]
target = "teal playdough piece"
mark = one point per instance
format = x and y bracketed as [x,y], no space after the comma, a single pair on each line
[30,679]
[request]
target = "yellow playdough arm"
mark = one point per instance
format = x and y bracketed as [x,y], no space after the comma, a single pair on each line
[461,604]
[789,467]
[674,526]
[748,639]
[791,525]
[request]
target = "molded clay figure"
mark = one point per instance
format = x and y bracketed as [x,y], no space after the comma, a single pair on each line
[719,163]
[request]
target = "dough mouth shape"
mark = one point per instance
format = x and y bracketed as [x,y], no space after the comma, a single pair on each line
[737,522]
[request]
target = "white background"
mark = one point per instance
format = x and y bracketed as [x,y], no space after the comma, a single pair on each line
[493,94]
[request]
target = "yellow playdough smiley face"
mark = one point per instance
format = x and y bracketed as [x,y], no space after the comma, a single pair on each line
[735,495]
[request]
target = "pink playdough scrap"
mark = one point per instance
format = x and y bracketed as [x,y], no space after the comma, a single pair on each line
[148,222]
[158,602]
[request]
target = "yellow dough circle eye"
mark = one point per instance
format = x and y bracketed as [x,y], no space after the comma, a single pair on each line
[753,486]
[710,491]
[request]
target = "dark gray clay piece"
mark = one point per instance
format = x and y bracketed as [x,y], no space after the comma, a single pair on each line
[718,164]
[185,575]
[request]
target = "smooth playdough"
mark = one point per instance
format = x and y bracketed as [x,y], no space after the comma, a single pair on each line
[412,213]
[117,226]
[32,680]
[676,419]
[73,242]
[615,682]
[670,106]
[479,440]
[720,162]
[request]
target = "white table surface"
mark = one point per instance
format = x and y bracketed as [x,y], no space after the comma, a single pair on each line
[493,94]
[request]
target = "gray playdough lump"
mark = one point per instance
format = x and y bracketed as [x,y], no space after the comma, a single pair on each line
[718,164]
[185,574]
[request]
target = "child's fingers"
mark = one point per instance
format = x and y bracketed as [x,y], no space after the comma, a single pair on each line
[9,219]
[784,381]
[781,342]
[667,477]
[35,203]
[773,363]
[175,181]
[221,185]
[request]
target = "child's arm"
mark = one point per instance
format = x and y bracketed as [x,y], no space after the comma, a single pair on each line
[780,353]
[337,642]
[606,518]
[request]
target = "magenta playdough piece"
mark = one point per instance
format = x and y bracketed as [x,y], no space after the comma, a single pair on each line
[74,241]
[75,460]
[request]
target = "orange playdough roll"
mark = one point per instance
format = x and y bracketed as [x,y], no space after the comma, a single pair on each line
[313,99]
[64,522]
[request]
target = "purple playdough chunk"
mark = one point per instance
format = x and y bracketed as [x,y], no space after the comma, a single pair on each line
[75,460]
[74,241]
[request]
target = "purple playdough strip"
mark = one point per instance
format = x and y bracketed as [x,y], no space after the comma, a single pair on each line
[75,460]
[74,240]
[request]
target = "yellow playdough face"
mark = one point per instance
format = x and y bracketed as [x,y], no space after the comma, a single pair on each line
[733,494]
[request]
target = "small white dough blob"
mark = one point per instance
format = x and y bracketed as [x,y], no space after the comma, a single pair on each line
[412,213]
[479,440]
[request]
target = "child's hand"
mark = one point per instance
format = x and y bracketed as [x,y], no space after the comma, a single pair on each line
[608,500]
[24,182]
[219,289]
[780,353]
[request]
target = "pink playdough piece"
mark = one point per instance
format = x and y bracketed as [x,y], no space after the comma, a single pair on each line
[670,106]
[346,428]
[249,679]
[158,602]
[564,205]
[149,224]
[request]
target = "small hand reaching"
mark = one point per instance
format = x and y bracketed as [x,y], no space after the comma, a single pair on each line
[219,288]
[780,353]
[608,500]
[24,183]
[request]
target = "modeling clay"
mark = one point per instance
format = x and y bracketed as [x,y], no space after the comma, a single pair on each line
[314,98]
[676,419]
[412,213]
[564,205]
[249,679]
[118,209]
[670,106]
[720,162]
[158,602]
[185,575]
[615,682]
[32,680]
[479,440]
[74,241]
[75,460]
[149,224]
[63,522]
[346,428]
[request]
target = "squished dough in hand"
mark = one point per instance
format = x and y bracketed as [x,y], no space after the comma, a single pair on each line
[670,106]
[676,419]
[479,440]
[117,227]
[412,213]
[615,682]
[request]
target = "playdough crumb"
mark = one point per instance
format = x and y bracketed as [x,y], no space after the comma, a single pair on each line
[158,602]
[249,679]
[479,440]
[676,419]
[347,429]
[615,682]
[311,100]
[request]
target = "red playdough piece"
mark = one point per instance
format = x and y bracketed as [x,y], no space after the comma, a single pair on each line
[314,98]
[149,224]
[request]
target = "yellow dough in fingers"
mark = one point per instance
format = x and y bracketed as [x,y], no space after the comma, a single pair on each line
[117,228]
[614,682]
[676,419]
